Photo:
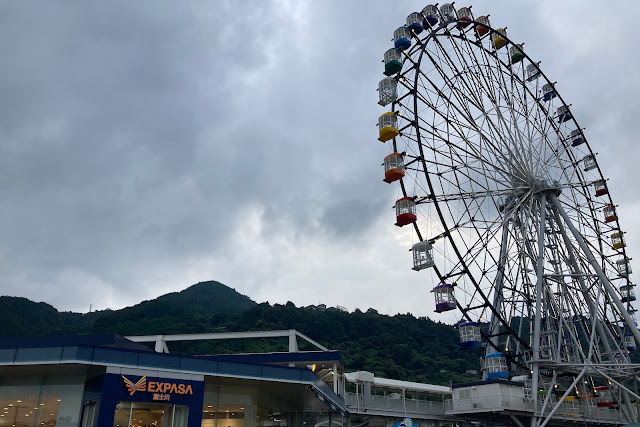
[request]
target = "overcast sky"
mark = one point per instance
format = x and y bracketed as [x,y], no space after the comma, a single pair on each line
[146,146]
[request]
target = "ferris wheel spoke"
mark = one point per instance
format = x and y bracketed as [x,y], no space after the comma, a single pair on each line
[471,124]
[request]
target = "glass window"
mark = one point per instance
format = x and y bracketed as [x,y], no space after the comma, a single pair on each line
[45,401]
[140,414]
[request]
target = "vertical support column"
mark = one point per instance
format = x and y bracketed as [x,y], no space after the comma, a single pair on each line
[293,341]
[160,344]
[538,315]
[404,403]
[335,377]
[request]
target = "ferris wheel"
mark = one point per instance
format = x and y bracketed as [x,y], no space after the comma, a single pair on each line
[510,210]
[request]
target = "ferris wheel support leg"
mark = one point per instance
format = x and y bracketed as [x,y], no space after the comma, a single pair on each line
[583,286]
[538,315]
[594,263]
[497,297]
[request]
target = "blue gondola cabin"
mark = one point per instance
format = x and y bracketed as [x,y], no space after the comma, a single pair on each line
[469,335]
[402,38]
[495,365]
[414,22]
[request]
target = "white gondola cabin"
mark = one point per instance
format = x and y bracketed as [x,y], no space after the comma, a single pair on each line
[549,92]
[430,14]
[464,17]
[482,26]
[470,335]
[600,187]
[388,126]
[444,297]
[627,293]
[448,12]
[405,211]
[498,38]
[516,53]
[387,91]
[392,61]
[617,240]
[422,256]
[589,162]
[393,167]
[564,114]
[415,22]
[609,213]
[576,137]
[533,72]
[623,267]
[495,365]
[402,38]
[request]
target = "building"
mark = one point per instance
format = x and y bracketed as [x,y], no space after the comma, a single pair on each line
[108,380]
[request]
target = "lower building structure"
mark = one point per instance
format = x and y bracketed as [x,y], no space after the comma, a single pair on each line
[107,380]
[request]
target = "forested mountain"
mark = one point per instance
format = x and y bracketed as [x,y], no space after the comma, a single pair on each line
[399,347]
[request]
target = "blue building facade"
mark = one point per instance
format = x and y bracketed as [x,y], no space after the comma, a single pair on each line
[106,380]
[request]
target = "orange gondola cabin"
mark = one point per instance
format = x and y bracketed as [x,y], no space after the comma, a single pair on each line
[393,167]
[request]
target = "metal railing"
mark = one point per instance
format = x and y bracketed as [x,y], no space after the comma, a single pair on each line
[577,409]
[393,404]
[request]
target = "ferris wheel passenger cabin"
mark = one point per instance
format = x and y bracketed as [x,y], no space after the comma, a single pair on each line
[533,72]
[589,162]
[405,211]
[393,167]
[516,53]
[629,341]
[402,38]
[445,300]
[576,137]
[600,187]
[422,256]
[388,127]
[464,15]
[623,267]
[495,364]
[603,397]
[470,335]
[609,213]
[617,240]
[414,22]
[627,293]
[564,114]
[387,91]
[549,92]
[392,61]
[430,14]
[498,38]
[448,13]
[482,26]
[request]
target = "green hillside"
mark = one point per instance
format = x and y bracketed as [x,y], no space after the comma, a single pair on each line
[400,347]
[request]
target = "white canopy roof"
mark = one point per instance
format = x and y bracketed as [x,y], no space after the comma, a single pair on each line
[363,376]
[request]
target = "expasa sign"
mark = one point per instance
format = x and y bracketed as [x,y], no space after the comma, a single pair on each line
[161,390]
